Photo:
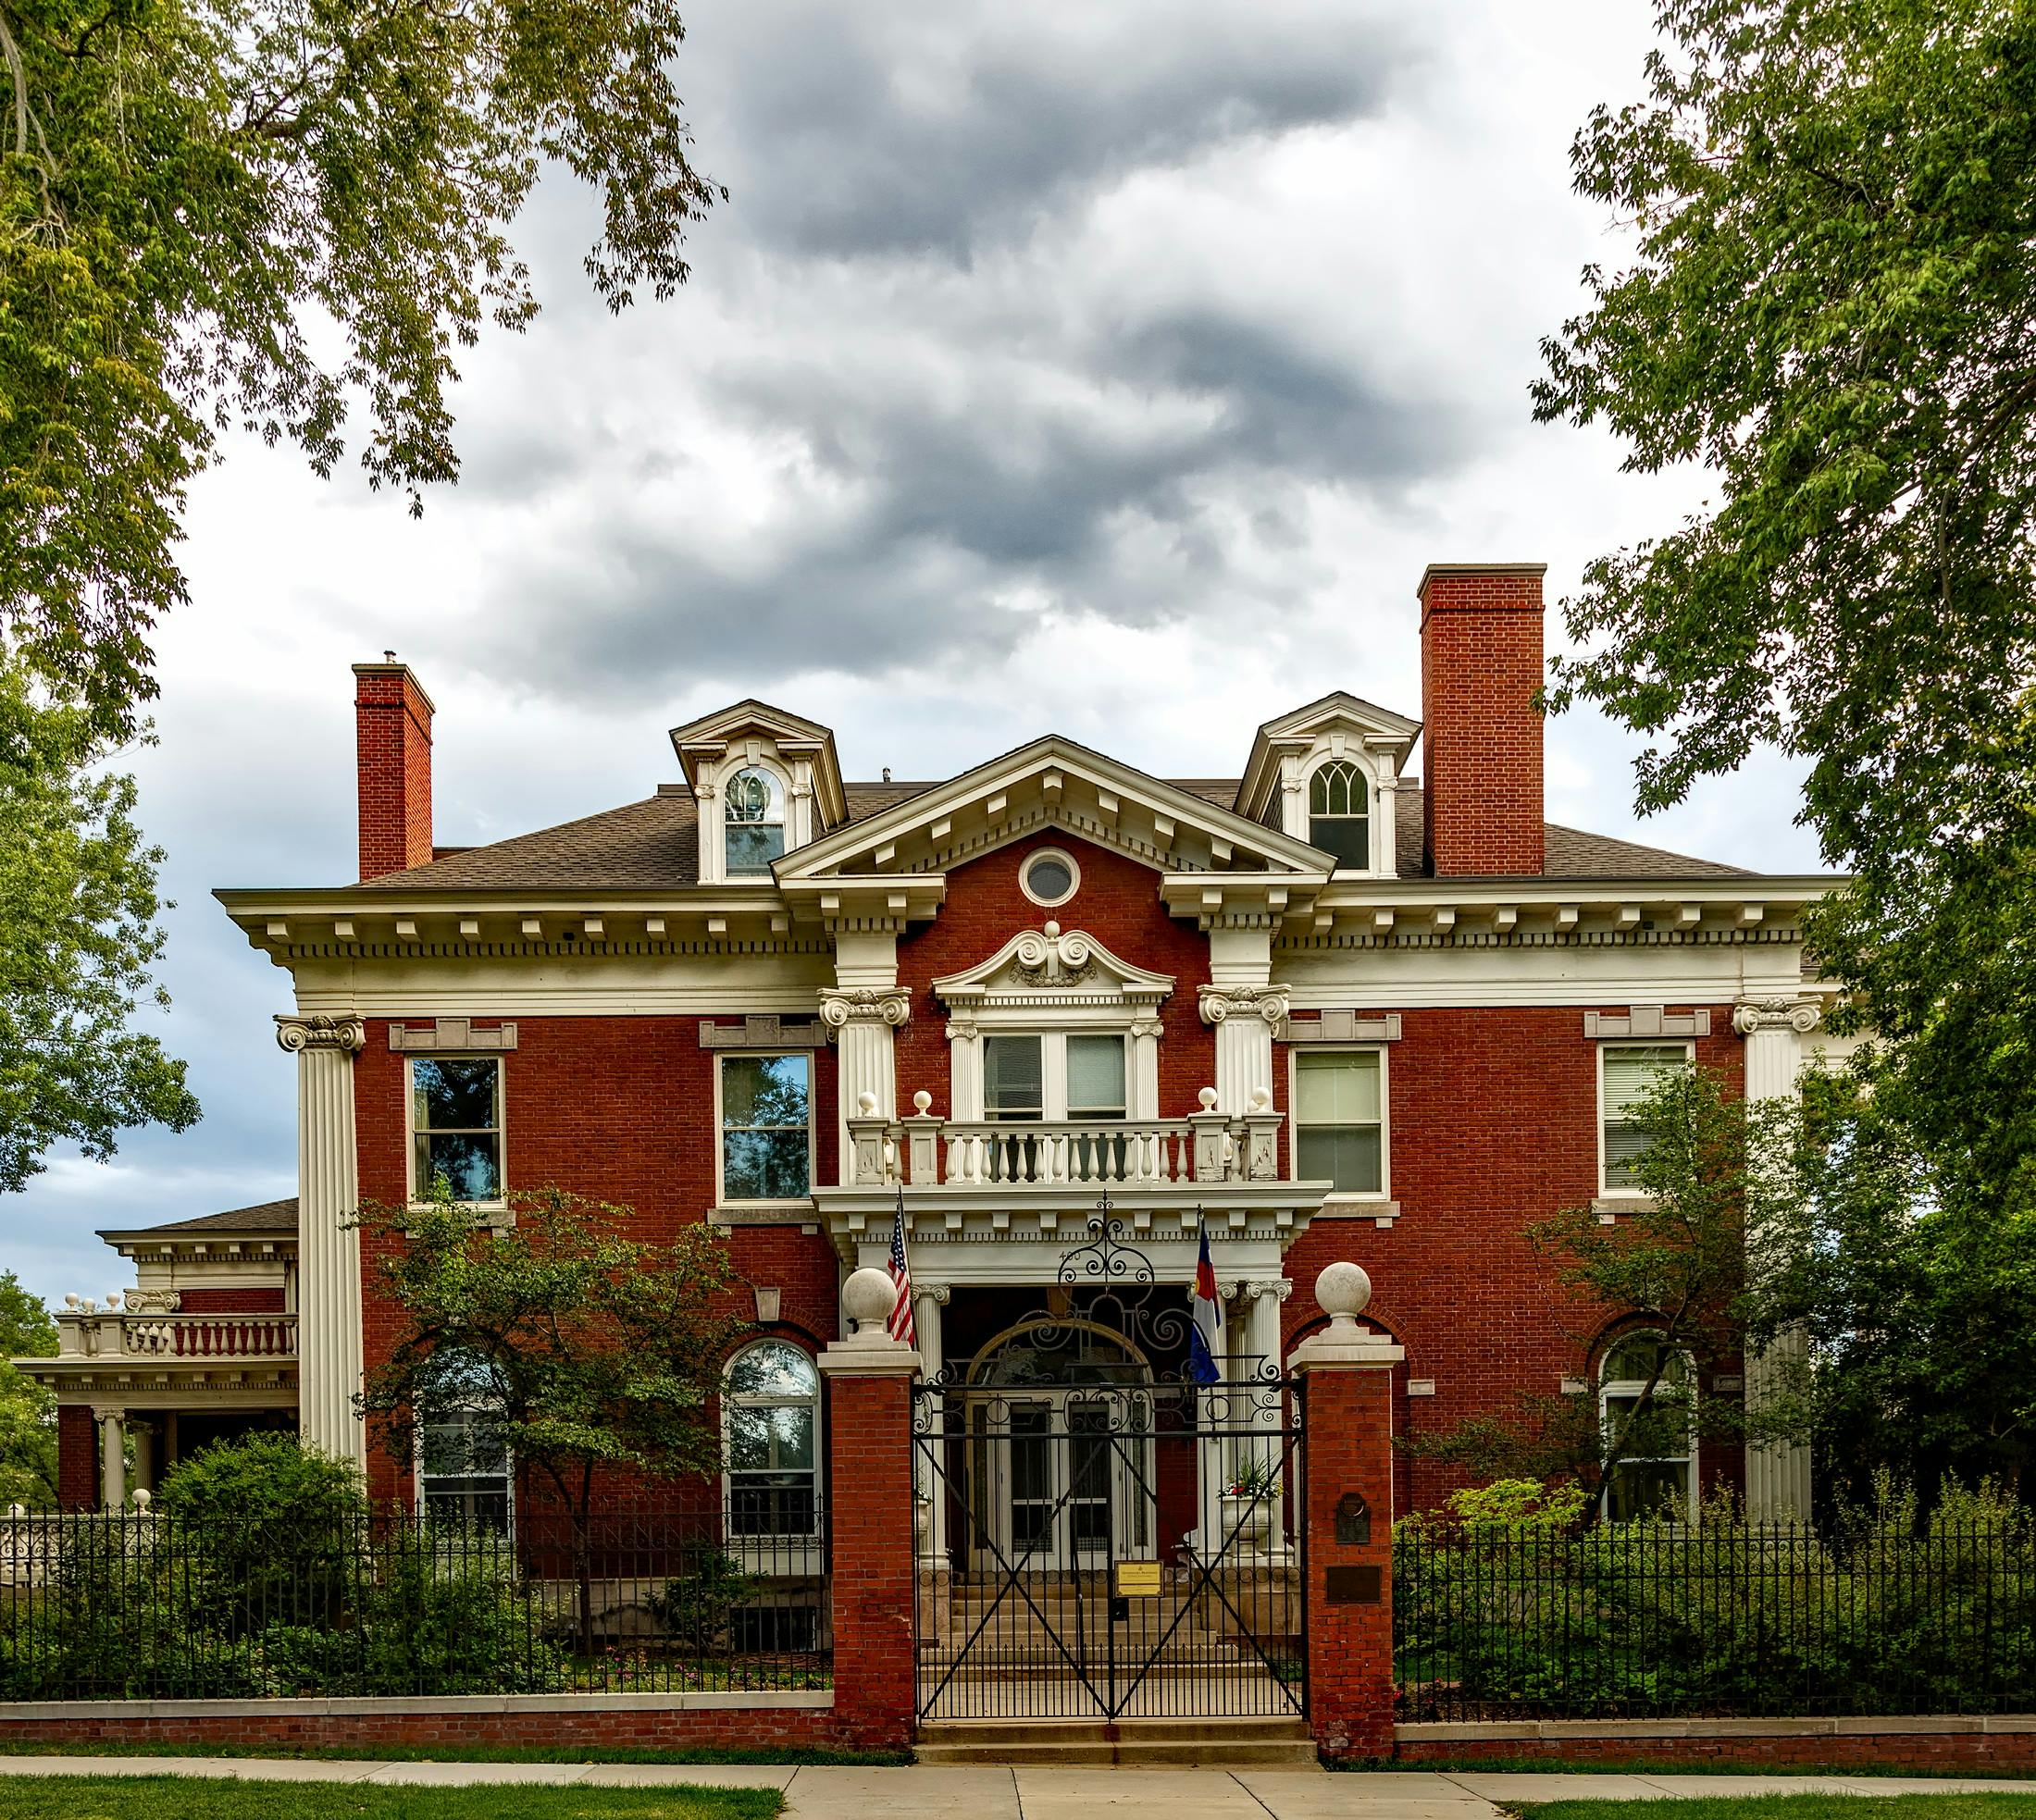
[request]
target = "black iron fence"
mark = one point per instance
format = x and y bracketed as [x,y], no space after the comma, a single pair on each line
[1721,1620]
[126,1604]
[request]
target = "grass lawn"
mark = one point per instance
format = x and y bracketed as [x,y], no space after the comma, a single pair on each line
[190,1798]
[1794,1807]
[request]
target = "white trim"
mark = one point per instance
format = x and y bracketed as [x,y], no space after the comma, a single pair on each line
[1341,1199]
[501,1204]
[729,1399]
[721,1058]
[1066,859]
[1362,762]
[1052,1041]
[1635,1198]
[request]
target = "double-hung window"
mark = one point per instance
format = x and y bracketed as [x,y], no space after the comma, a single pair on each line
[1628,1073]
[1339,818]
[770,1413]
[463,1460]
[455,1127]
[766,1127]
[1074,1077]
[1339,1118]
[1643,1404]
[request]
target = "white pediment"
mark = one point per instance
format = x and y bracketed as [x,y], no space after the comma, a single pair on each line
[1052,783]
[1049,970]
[1338,725]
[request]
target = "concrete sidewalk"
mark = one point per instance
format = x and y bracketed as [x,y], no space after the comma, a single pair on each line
[1044,1794]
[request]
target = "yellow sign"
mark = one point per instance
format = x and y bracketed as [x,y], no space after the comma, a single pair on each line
[1138,1580]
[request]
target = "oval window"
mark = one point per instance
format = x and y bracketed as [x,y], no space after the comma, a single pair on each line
[1050,876]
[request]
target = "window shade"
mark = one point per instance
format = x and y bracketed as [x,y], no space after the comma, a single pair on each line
[1336,1090]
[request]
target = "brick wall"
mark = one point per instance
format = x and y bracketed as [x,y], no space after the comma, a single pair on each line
[871,1549]
[1493,1121]
[392,753]
[1481,663]
[245,1301]
[76,1457]
[617,1108]
[1981,1746]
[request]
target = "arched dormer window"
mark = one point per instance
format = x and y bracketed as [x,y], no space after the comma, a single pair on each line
[1656,1477]
[1339,814]
[752,818]
[770,1418]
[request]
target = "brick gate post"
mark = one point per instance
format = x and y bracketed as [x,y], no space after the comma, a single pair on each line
[1347,1373]
[869,1421]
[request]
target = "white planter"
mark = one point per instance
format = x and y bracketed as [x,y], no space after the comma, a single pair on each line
[1249,1520]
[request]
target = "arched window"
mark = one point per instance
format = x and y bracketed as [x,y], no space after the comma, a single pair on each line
[1339,813]
[1656,1474]
[770,1415]
[753,816]
[463,1457]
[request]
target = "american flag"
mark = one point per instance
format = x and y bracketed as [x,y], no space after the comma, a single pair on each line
[899,1325]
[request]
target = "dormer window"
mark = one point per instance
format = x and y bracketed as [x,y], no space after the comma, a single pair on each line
[753,808]
[1339,814]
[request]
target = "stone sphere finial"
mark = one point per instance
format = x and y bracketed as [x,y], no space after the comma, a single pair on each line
[867,1298]
[1342,1290]
[1052,929]
[142,1499]
[1262,1099]
[865,1103]
[1207,1098]
[921,1102]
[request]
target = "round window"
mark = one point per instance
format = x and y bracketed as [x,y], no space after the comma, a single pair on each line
[1050,876]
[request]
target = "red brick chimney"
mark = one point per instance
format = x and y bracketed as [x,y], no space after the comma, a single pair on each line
[1481,663]
[392,740]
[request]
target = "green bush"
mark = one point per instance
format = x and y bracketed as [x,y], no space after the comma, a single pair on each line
[1505,1609]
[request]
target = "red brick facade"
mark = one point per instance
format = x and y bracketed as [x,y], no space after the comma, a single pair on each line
[77,1458]
[871,1537]
[1480,665]
[393,735]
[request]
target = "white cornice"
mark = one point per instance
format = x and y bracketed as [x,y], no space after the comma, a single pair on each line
[1043,967]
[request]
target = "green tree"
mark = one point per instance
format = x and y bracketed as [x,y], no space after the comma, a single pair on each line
[1827,309]
[220,212]
[1678,1265]
[78,937]
[28,1412]
[559,1340]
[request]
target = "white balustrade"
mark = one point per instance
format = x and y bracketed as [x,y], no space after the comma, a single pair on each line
[117,1335]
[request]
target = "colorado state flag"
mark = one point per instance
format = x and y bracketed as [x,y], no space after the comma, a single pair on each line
[1206,1333]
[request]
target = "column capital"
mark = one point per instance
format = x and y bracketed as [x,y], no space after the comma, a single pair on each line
[1219,1002]
[1252,1289]
[933,1292]
[1756,1014]
[842,1006]
[346,1034]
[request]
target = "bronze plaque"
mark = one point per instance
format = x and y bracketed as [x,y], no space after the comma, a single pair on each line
[1353,1518]
[1138,1580]
[1355,1586]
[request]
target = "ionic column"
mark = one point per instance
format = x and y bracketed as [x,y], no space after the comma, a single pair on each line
[865,1020]
[1778,1473]
[1245,1017]
[144,1455]
[1264,1302]
[329,1246]
[112,1458]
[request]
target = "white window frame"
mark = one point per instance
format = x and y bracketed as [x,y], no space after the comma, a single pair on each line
[417,1477]
[1066,859]
[784,822]
[1606,1191]
[1612,1387]
[417,1191]
[721,1131]
[1342,1196]
[1052,1044]
[1367,780]
[770,1543]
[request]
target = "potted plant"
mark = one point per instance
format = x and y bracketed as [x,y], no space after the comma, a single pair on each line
[1250,1503]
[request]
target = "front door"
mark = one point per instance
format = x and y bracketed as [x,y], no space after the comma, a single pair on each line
[1071,1482]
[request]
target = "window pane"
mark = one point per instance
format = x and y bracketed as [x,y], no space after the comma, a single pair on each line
[752,845]
[1094,1075]
[765,1166]
[751,797]
[1629,1073]
[1644,1489]
[466,1160]
[1049,877]
[749,1439]
[1349,1155]
[1011,1079]
[772,1370]
[764,1090]
[1336,1089]
[451,1094]
[791,1438]
[1349,837]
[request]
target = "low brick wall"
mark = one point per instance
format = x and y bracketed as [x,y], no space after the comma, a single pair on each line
[796,1720]
[1994,1745]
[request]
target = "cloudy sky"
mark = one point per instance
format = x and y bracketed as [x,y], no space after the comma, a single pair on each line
[1111,369]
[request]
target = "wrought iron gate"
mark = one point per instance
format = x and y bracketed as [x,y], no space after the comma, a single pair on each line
[1099,1539]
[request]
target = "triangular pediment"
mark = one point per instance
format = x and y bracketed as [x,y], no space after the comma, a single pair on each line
[1050,965]
[752,723]
[1052,783]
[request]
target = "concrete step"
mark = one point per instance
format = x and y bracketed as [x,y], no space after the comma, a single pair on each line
[1208,1743]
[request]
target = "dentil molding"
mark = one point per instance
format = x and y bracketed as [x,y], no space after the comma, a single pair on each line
[1266,1002]
[347,1034]
[842,1006]
[1797,1014]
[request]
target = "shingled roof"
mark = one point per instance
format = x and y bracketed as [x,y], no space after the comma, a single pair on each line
[263,1217]
[654,845]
